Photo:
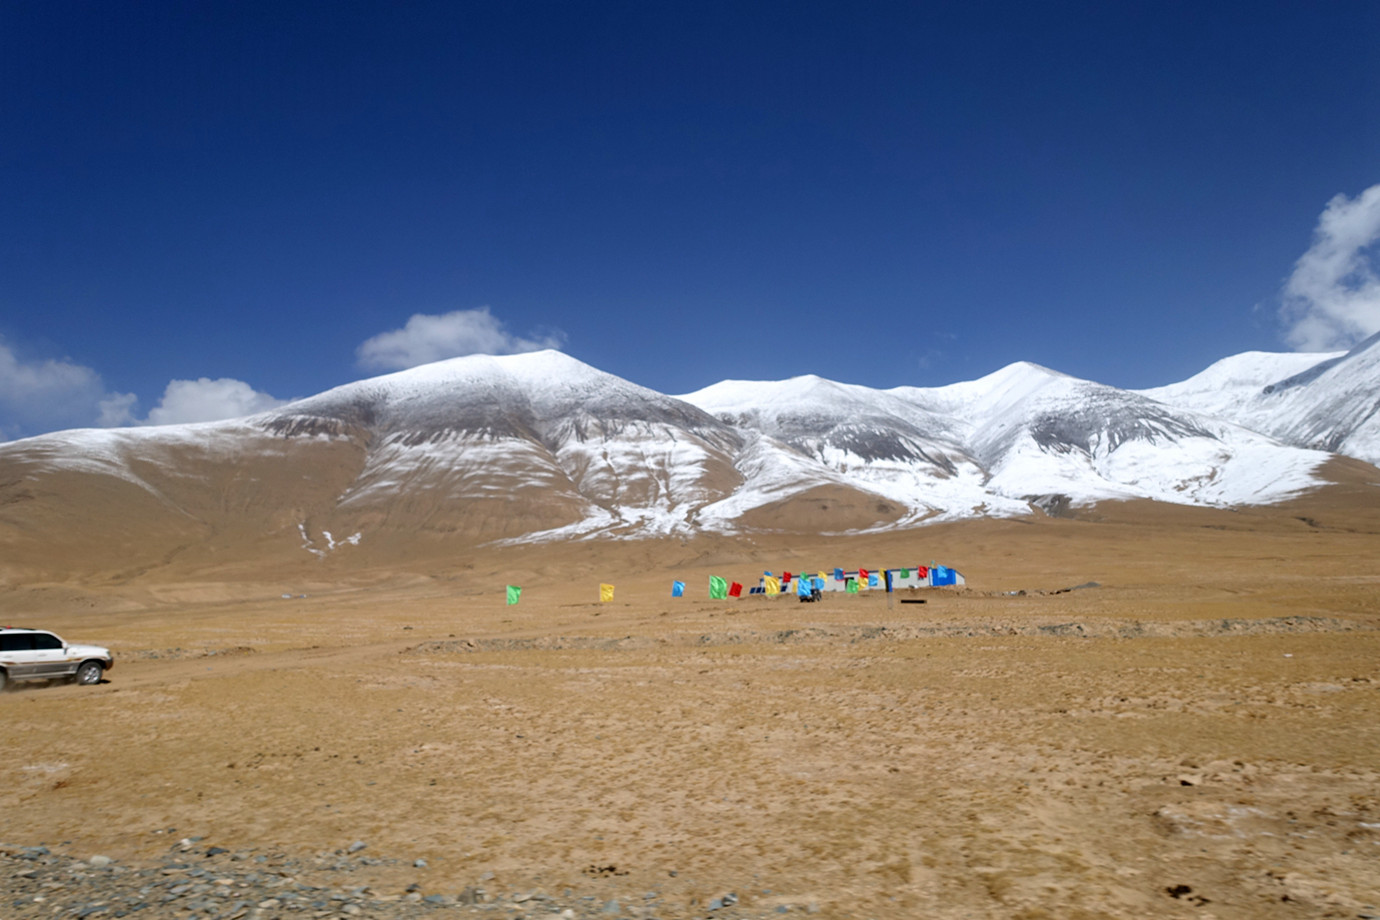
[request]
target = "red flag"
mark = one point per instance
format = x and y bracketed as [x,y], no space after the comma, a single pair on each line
[735,590]
[785,578]
[923,571]
[862,576]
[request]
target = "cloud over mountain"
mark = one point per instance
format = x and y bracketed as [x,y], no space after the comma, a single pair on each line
[427,338]
[206,400]
[1332,299]
[38,394]
[52,392]
[48,393]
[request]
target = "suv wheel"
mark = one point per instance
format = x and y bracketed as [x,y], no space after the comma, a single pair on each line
[89,672]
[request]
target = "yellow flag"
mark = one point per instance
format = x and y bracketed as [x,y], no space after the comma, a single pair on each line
[606,592]
[772,584]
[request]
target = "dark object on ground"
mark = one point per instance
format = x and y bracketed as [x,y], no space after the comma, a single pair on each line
[1086,584]
[908,601]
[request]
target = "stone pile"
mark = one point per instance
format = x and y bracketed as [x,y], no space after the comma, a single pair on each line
[213,883]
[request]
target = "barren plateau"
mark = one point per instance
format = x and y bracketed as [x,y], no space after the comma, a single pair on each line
[1193,732]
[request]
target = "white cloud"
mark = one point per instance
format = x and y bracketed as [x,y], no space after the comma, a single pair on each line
[206,400]
[428,338]
[48,393]
[117,410]
[1332,300]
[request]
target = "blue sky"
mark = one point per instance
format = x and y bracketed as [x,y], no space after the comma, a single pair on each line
[206,206]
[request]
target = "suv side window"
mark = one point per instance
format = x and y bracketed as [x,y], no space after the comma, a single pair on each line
[46,641]
[16,642]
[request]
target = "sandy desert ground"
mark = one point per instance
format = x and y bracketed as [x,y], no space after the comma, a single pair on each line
[1197,735]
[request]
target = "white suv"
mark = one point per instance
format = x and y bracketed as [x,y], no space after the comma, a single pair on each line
[34,654]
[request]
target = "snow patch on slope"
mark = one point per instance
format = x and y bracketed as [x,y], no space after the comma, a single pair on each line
[331,543]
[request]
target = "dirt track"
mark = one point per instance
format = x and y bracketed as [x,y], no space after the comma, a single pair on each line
[1196,736]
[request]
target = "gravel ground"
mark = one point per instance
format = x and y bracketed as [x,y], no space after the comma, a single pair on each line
[215,884]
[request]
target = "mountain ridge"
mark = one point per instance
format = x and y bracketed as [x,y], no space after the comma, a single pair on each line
[541,446]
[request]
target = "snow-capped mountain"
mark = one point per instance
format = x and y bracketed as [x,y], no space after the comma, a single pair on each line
[810,431]
[1325,401]
[1042,433]
[598,452]
[1020,436]
[541,446]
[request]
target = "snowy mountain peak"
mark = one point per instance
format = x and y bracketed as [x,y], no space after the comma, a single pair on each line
[543,446]
[522,396]
[769,398]
[1230,381]
[535,373]
[1367,351]
[1005,386]
[1325,401]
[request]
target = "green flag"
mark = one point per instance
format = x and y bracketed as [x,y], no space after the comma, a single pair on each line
[851,587]
[718,588]
[514,593]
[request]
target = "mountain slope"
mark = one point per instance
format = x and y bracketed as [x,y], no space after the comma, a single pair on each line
[596,451]
[1325,402]
[124,500]
[814,431]
[541,446]
[1047,437]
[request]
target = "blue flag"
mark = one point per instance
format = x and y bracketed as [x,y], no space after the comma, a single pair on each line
[802,587]
[677,588]
[838,574]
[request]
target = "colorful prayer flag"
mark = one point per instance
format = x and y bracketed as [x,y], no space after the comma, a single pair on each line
[735,590]
[514,594]
[718,588]
[772,584]
[852,586]
[605,593]
[677,589]
[802,586]
[873,581]
[838,574]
